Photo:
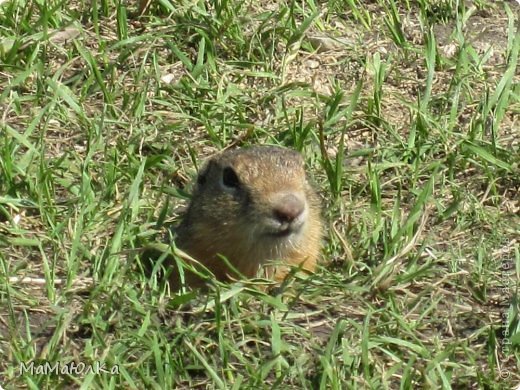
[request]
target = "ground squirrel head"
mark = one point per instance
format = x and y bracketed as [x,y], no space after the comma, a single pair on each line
[252,205]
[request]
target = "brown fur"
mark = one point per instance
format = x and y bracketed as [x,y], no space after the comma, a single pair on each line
[239,223]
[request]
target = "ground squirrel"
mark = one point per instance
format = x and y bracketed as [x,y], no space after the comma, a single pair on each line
[253,206]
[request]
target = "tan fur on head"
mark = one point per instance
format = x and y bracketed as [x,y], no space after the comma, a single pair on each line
[253,206]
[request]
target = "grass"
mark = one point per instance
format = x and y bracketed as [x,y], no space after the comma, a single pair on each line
[408,116]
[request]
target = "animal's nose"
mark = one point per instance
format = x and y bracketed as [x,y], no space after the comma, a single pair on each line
[288,208]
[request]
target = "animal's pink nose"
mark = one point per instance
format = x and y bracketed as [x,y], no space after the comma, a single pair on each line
[288,208]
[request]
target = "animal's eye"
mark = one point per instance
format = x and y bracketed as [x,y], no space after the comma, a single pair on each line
[230,178]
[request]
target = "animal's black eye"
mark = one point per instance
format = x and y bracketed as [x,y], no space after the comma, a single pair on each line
[230,178]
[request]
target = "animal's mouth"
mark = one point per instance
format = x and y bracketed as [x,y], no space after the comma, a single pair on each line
[281,233]
[284,230]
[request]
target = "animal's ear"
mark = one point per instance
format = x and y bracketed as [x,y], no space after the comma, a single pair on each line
[202,177]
